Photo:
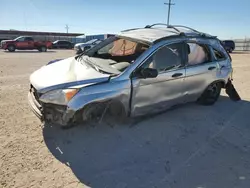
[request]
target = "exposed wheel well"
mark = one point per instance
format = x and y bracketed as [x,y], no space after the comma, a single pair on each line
[100,109]
[222,82]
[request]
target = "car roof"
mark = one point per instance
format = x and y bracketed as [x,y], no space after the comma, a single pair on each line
[61,41]
[24,36]
[151,34]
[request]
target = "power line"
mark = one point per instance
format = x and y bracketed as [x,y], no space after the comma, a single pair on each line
[67,28]
[169,7]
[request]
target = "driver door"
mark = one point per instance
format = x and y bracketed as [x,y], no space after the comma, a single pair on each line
[151,95]
[22,43]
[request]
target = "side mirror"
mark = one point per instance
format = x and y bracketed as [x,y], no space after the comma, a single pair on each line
[148,73]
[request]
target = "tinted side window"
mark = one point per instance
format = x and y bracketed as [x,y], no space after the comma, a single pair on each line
[218,55]
[198,54]
[166,58]
[61,42]
[28,39]
[67,43]
[21,39]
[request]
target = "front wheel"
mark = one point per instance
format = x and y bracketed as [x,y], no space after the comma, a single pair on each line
[11,48]
[211,94]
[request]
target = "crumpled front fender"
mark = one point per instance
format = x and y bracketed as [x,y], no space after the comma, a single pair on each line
[116,91]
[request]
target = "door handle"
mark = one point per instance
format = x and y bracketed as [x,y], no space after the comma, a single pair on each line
[211,68]
[177,75]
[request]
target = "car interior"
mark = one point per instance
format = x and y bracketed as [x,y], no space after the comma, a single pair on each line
[123,52]
[198,54]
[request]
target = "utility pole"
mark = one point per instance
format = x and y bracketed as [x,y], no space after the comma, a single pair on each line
[67,28]
[169,7]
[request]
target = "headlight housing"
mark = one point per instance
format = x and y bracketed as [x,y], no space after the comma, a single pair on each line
[61,96]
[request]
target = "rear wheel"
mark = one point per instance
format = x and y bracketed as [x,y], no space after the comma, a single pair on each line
[211,94]
[11,48]
[43,49]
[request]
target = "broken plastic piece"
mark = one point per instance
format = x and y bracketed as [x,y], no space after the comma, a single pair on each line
[231,91]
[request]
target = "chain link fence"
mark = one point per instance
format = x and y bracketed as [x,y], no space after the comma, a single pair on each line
[242,44]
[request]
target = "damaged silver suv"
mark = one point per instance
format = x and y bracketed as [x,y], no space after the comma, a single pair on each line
[139,71]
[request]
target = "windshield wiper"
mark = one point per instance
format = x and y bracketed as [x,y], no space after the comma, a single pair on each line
[90,64]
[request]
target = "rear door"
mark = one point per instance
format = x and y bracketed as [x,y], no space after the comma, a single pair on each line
[30,42]
[65,44]
[201,70]
[59,44]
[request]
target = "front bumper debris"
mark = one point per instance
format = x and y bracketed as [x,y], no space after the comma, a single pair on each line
[35,106]
[51,113]
[231,91]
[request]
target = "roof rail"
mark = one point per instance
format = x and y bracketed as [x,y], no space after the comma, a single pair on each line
[186,28]
[172,27]
[181,26]
[130,29]
[194,30]
[168,26]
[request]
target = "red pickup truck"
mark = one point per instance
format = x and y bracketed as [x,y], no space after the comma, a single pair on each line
[25,43]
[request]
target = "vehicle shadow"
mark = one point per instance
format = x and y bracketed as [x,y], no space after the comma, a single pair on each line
[172,149]
[30,51]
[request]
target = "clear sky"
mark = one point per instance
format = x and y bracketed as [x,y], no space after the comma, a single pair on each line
[224,18]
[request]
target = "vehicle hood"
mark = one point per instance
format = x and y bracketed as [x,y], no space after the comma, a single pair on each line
[7,41]
[64,74]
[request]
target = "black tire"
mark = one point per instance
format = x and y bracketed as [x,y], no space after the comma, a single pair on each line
[211,94]
[11,48]
[43,49]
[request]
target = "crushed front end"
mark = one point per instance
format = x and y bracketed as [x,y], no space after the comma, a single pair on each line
[35,105]
[51,113]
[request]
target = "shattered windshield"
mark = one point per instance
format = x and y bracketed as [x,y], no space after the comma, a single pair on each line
[101,65]
[115,56]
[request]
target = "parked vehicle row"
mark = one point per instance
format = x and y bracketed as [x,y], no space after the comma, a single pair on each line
[28,43]
[139,71]
[25,43]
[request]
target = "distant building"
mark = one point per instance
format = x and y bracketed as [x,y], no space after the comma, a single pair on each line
[46,36]
[86,38]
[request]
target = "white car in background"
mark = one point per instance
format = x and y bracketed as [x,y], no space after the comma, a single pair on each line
[81,47]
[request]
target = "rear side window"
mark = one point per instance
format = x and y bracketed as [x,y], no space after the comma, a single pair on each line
[219,56]
[198,54]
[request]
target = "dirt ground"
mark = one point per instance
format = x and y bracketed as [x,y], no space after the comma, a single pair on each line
[190,147]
